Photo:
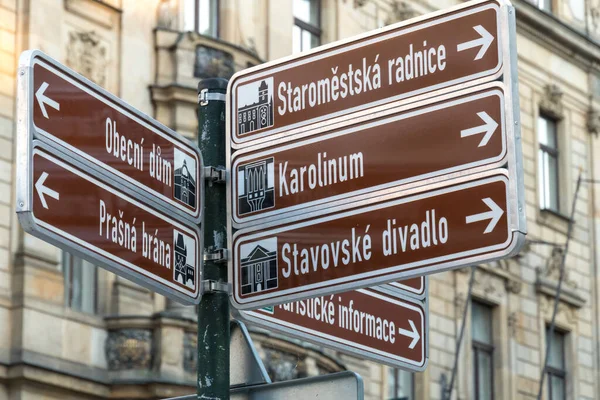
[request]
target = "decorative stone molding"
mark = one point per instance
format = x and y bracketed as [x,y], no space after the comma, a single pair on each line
[566,314]
[595,15]
[459,301]
[551,271]
[283,366]
[358,3]
[190,348]
[551,102]
[401,11]
[166,15]
[513,322]
[87,55]
[593,121]
[128,349]
[213,63]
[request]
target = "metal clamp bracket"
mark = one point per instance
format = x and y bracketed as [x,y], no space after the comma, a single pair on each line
[210,286]
[204,97]
[215,174]
[216,256]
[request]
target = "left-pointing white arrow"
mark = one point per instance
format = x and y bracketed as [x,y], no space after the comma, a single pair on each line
[483,42]
[413,334]
[494,215]
[44,100]
[488,128]
[45,190]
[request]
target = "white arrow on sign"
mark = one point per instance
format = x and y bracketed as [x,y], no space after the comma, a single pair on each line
[484,41]
[44,100]
[494,215]
[488,128]
[413,333]
[45,190]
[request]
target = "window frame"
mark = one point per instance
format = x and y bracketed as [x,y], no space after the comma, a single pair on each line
[555,154]
[488,348]
[67,266]
[313,30]
[217,17]
[550,8]
[396,382]
[554,372]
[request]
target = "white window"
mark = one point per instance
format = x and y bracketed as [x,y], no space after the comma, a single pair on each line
[545,5]
[81,283]
[483,351]
[557,371]
[548,163]
[307,25]
[400,385]
[578,9]
[201,16]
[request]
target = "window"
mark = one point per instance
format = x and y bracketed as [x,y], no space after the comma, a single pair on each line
[557,375]
[80,283]
[201,16]
[548,163]
[545,5]
[483,351]
[307,25]
[400,384]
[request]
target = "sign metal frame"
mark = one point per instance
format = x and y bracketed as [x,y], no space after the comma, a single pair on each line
[409,291]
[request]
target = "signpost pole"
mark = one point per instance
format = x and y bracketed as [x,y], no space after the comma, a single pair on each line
[213,310]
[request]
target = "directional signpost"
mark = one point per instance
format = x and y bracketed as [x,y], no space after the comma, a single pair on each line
[372,324]
[374,161]
[104,181]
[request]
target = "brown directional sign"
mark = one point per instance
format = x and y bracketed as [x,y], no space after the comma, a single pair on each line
[459,46]
[459,133]
[121,142]
[366,323]
[399,236]
[109,227]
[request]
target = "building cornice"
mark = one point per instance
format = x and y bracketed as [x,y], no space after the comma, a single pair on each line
[558,36]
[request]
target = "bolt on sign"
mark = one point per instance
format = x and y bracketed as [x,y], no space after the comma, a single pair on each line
[462,45]
[100,179]
[373,324]
[70,111]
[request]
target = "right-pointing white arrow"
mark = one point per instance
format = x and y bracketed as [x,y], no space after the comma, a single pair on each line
[494,215]
[488,128]
[413,334]
[45,190]
[484,42]
[44,100]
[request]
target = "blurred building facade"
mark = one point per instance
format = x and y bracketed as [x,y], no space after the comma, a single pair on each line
[69,330]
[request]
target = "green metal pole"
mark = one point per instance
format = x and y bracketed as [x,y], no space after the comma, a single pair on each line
[213,311]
